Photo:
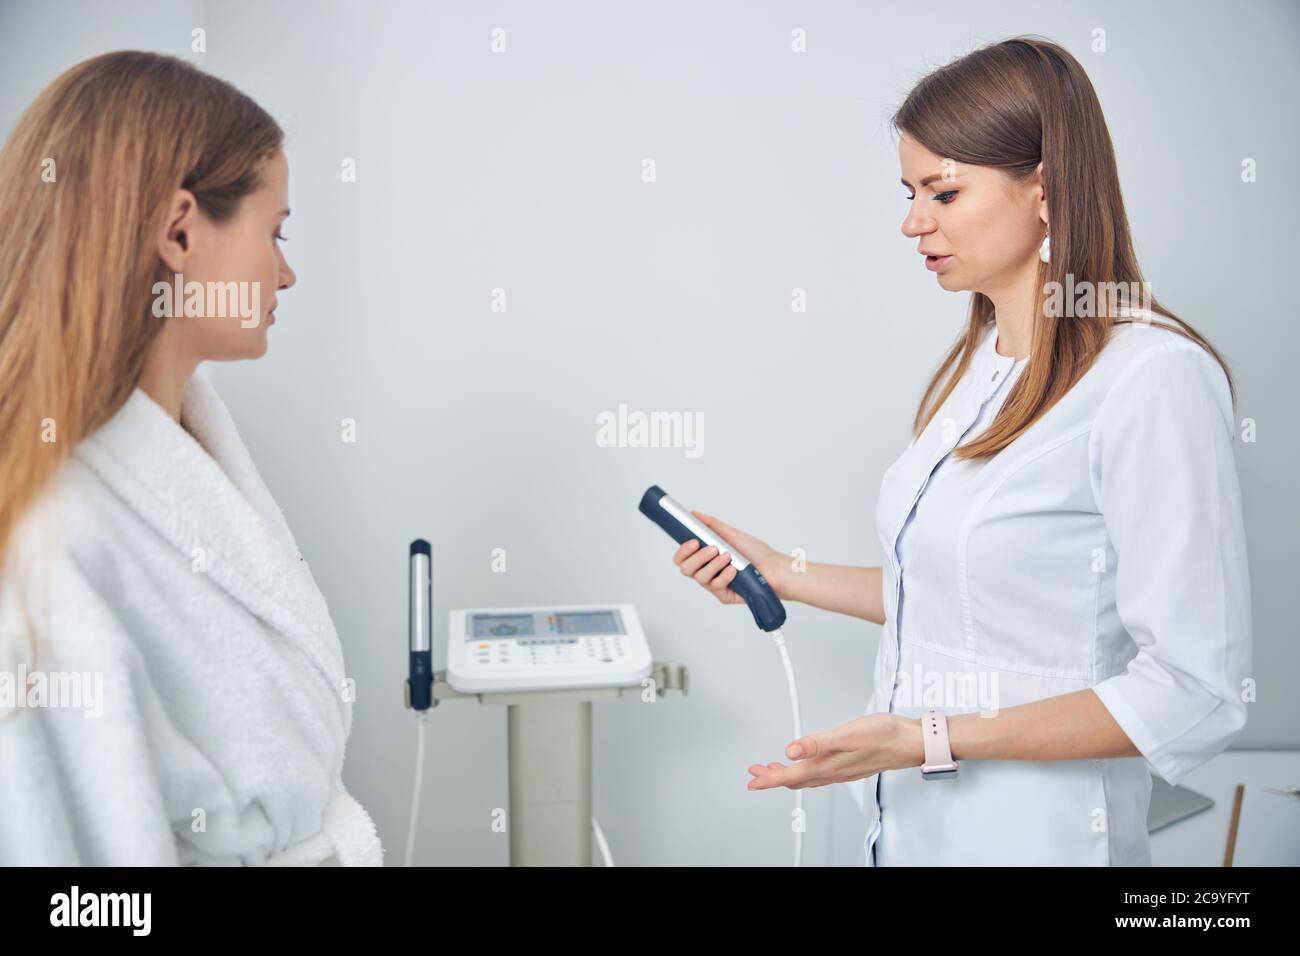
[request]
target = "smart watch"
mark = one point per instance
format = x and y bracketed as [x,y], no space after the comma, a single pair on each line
[939,764]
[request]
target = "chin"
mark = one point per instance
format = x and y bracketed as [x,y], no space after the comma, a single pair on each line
[254,348]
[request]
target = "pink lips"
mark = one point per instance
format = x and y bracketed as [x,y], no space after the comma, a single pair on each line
[935,263]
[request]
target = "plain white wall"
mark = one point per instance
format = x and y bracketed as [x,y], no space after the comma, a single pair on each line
[775,170]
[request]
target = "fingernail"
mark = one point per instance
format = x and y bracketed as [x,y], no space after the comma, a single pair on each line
[794,751]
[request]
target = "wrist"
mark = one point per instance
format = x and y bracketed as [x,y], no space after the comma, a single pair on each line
[911,743]
[777,569]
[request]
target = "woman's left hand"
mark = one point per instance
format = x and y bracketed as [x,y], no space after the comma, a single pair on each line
[851,751]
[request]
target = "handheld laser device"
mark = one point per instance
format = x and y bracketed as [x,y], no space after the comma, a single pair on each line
[682,526]
[768,611]
[420,626]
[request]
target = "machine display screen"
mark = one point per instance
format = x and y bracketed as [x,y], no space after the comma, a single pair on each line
[544,627]
[587,622]
[500,625]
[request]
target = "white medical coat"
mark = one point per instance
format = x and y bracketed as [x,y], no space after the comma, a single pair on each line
[1104,548]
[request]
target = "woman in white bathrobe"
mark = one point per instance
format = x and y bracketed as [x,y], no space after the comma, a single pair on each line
[172,689]
[1065,575]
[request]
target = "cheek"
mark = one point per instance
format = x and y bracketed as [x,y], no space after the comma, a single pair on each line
[271,268]
[268,272]
[259,259]
[970,224]
[987,234]
[259,263]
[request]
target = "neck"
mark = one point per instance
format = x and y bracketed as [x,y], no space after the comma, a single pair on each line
[1014,305]
[165,375]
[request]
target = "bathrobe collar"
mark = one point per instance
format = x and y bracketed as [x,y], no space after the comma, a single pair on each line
[210,503]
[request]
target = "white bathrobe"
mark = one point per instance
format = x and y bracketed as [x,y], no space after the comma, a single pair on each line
[164,569]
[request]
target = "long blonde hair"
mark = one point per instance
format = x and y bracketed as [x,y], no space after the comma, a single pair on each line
[1012,105]
[86,179]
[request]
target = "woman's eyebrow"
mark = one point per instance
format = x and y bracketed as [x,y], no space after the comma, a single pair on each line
[928,179]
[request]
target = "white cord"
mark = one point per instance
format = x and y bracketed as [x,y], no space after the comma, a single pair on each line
[421,716]
[601,842]
[779,639]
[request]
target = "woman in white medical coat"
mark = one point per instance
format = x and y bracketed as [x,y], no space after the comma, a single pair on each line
[1065,573]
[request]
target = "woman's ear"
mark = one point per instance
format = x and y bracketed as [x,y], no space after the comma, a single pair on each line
[1042,195]
[176,243]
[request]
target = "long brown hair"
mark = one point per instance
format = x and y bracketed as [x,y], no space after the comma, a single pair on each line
[1012,105]
[86,179]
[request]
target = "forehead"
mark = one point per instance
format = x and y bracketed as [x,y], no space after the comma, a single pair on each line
[910,151]
[918,162]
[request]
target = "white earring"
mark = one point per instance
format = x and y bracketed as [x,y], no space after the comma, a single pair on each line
[1045,250]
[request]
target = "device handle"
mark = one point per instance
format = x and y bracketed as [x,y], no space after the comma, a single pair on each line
[769,612]
[682,526]
[420,625]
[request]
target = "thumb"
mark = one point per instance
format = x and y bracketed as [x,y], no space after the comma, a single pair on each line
[816,745]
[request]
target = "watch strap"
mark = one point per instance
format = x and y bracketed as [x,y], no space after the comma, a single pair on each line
[938,750]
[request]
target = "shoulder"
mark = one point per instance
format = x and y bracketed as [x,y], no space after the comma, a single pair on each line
[74,513]
[1148,367]
[63,557]
[1131,343]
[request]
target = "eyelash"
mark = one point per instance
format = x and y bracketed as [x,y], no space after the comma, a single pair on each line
[279,237]
[951,194]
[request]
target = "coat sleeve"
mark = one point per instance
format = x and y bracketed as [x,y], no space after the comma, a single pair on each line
[79,779]
[1164,476]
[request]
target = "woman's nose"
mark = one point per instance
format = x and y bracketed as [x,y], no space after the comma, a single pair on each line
[917,224]
[287,276]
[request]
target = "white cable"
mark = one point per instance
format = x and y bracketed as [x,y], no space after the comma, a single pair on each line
[779,639]
[419,780]
[601,842]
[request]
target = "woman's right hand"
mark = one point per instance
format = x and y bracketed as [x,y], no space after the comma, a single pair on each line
[714,572]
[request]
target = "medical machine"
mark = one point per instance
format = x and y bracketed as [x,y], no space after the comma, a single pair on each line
[547,665]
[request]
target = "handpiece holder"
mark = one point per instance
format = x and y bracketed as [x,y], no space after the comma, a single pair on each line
[681,525]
